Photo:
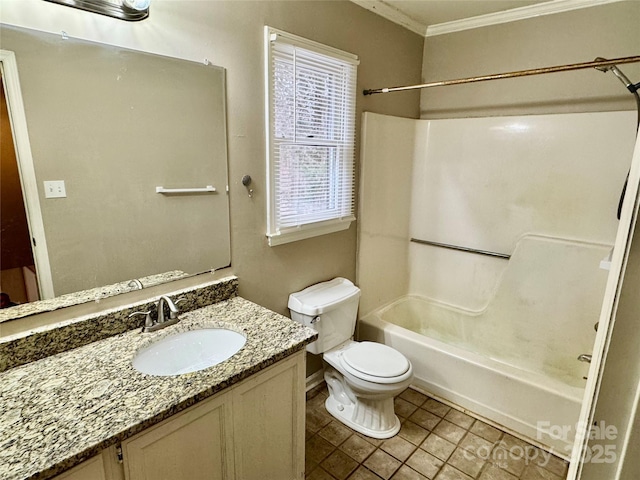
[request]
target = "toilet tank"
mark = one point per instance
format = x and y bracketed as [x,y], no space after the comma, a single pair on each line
[330,308]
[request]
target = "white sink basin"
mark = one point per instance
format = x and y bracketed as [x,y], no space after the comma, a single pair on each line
[188,351]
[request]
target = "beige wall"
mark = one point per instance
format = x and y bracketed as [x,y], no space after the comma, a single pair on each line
[230,34]
[609,31]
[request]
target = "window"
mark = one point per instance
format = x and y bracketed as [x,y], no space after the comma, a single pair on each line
[310,116]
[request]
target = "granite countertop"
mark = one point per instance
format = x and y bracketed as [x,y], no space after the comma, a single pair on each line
[90,295]
[58,411]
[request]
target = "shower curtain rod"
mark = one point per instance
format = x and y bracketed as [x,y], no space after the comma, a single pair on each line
[520,73]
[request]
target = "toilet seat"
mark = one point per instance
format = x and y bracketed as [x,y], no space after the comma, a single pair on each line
[376,363]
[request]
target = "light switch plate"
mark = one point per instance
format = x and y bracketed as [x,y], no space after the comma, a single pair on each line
[54,189]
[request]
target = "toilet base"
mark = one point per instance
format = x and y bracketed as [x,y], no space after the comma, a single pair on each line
[345,414]
[371,415]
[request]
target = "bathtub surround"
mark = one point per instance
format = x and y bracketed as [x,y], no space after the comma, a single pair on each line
[50,340]
[534,187]
[98,399]
[548,178]
[481,183]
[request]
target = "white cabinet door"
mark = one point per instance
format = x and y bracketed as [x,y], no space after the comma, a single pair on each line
[268,421]
[253,431]
[193,445]
[101,467]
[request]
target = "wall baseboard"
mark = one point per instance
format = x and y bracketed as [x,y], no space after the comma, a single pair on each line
[314,380]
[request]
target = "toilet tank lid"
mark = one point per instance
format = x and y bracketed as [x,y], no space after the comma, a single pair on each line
[322,297]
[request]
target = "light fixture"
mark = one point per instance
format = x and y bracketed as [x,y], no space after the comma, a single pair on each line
[130,10]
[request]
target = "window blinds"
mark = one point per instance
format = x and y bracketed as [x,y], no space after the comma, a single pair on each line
[311,137]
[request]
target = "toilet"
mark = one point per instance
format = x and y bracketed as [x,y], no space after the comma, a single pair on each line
[362,377]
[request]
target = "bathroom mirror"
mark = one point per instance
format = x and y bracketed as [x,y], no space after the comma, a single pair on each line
[113,125]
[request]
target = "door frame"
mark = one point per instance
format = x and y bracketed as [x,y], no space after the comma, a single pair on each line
[15,106]
[619,260]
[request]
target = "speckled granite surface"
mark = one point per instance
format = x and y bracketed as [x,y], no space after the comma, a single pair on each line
[45,341]
[91,295]
[61,410]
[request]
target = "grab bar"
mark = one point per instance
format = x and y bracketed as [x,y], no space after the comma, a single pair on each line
[462,249]
[207,189]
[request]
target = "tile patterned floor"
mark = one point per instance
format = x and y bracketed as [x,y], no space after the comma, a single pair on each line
[436,442]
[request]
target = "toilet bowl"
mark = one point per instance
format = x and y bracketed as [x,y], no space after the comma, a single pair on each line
[362,377]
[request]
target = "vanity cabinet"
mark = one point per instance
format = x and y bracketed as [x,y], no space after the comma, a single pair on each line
[268,423]
[252,431]
[93,468]
[194,444]
[103,466]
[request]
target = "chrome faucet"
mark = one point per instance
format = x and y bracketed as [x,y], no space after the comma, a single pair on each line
[161,321]
[173,311]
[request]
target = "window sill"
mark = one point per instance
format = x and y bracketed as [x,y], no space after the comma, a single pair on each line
[308,231]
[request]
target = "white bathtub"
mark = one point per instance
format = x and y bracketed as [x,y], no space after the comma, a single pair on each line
[449,364]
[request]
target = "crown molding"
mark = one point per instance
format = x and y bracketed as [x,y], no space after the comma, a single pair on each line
[520,13]
[393,14]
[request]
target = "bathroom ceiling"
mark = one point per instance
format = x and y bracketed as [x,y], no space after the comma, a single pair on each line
[417,15]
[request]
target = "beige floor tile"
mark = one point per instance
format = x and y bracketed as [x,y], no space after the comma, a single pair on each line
[373,441]
[309,465]
[491,472]
[534,472]
[319,474]
[438,447]
[411,395]
[413,432]
[466,462]
[486,431]
[555,465]
[398,447]
[450,473]
[335,433]
[357,448]
[403,408]
[316,420]
[459,418]
[406,473]
[339,464]
[317,402]
[424,463]
[318,389]
[449,431]
[363,473]
[382,464]
[510,460]
[477,445]
[317,449]
[425,419]
[436,407]
[452,446]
